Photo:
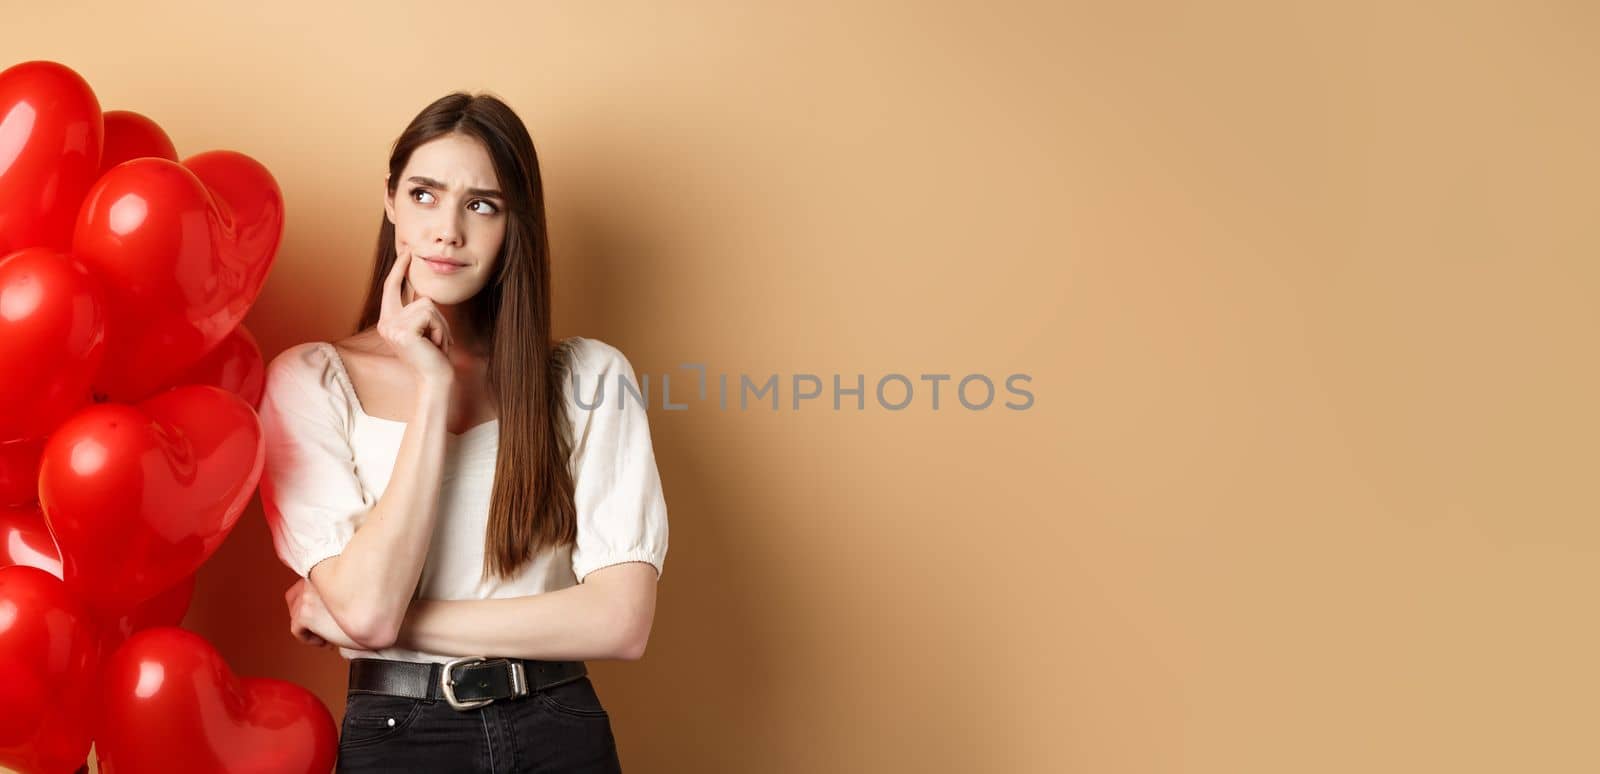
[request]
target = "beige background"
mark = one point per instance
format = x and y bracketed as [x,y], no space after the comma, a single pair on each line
[1306,292]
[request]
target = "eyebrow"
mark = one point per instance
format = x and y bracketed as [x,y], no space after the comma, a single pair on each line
[431,183]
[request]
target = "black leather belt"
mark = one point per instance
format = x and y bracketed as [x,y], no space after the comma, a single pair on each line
[466,683]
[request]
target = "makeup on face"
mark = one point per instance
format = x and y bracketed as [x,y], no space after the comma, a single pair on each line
[451,211]
[443,267]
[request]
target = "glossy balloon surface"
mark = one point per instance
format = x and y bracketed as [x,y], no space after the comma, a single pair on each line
[138,497]
[52,340]
[51,135]
[171,704]
[182,251]
[131,135]
[49,662]
[234,365]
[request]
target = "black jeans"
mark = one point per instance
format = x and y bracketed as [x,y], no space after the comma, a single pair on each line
[561,729]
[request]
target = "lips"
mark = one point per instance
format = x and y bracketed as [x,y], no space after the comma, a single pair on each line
[441,259]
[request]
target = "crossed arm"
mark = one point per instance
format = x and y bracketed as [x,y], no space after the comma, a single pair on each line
[607,616]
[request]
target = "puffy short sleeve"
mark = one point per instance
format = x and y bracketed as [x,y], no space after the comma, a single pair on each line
[310,494]
[622,515]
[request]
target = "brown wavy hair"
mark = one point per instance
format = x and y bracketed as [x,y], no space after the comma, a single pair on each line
[532,503]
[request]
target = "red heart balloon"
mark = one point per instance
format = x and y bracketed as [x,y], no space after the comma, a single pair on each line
[170,703]
[235,365]
[129,136]
[166,608]
[52,339]
[140,496]
[19,471]
[49,662]
[182,251]
[25,539]
[51,134]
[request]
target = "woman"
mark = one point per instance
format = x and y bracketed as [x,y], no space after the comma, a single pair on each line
[473,508]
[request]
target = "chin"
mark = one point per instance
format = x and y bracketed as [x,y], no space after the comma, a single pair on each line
[448,292]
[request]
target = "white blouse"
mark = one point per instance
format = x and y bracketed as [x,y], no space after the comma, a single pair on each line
[328,462]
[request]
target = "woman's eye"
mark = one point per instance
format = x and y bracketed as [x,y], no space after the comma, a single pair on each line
[415,192]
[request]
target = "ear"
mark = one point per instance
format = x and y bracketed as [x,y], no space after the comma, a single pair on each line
[388,200]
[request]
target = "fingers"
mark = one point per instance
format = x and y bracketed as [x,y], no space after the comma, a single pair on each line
[308,637]
[392,302]
[436,329]
[301,632]
[400,319]
[291,598]
[423,318]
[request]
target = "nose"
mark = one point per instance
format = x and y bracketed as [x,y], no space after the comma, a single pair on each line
[446,230]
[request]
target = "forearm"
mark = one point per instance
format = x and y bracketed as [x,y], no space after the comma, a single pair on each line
[369,585]
[330,630]
[579,622]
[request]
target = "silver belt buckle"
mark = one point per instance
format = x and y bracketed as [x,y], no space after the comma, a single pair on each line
[448,685]
[519,682]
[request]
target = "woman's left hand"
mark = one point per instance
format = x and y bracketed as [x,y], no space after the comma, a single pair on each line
[311,622]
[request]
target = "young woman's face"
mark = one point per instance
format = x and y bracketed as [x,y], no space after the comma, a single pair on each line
[447,206]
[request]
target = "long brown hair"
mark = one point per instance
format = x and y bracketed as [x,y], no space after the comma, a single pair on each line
[532,504]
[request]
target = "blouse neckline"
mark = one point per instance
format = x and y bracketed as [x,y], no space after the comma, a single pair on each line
[355,402]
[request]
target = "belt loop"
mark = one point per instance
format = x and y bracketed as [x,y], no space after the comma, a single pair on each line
[519,678]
